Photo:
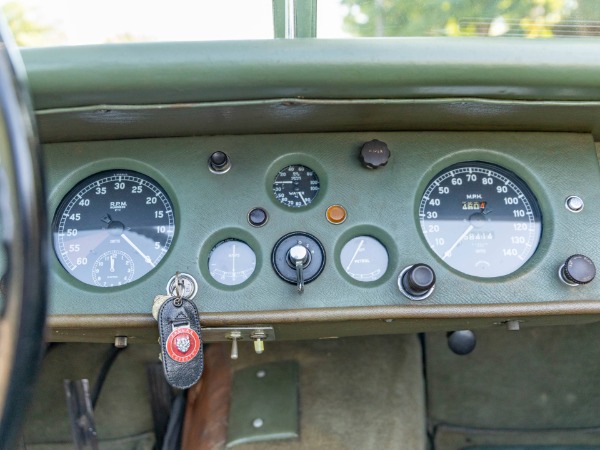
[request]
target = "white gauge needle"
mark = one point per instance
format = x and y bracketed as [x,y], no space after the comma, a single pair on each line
[355,253]
[302,197]
[146,258]
[448,253]
[283,182]
[112,263]
[233,262]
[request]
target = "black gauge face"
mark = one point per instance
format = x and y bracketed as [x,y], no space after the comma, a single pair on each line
[296,186]
[113,228]
[480,219]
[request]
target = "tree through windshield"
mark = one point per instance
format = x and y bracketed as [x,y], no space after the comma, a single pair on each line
[63,22]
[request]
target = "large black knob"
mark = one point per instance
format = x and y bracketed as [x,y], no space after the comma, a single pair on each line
[374,154]
[417,281]
[578,269]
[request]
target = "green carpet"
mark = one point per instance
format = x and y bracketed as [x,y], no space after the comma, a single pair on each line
[539,385]
[123,416]
[456,438]
[355,393]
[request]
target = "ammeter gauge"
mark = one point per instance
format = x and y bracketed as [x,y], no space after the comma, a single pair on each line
[296,186]
[231,262]
[480,219]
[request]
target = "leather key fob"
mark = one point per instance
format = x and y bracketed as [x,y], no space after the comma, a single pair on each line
[180,342]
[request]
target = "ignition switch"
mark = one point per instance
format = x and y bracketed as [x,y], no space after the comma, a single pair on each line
[298,258]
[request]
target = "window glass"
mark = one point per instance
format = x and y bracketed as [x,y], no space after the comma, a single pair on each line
[490,18]
[74,22]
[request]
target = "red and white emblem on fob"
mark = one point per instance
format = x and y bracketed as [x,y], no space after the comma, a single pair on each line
[183,344]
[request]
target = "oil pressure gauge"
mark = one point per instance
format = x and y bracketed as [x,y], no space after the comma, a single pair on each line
[231,262]
[296,186]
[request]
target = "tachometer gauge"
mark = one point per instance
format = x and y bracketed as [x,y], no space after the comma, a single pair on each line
[113,228]
[231,262]
[480,219]
[296,186]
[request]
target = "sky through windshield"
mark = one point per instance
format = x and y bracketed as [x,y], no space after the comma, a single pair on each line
[73,22]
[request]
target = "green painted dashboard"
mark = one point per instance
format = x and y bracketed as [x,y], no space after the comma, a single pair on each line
[163,109]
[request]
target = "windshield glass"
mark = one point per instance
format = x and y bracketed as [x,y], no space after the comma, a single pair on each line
[492,18]
[75,22]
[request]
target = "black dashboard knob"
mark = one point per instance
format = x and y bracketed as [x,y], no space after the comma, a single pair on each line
[462,342]
[578,269]
[219,162]
[374,154]
[418,279]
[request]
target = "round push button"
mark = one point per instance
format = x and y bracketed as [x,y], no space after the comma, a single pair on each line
[257,217]
[336,214]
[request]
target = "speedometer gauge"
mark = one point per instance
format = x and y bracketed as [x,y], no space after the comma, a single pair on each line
[480,219]
[113,228]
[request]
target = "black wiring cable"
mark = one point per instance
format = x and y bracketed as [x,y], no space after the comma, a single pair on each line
[172,438]
[103,373]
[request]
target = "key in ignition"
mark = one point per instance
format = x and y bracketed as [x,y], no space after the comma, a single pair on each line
[298,258]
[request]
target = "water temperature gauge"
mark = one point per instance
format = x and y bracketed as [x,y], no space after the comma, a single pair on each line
[296,186]
[364,258]
[231,262]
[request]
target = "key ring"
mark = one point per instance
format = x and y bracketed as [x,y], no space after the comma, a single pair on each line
[178,301]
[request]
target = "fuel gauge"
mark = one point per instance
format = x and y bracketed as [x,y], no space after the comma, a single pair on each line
[231,262]
[364,258]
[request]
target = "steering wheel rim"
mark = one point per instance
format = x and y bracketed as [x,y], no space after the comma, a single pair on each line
[23,224]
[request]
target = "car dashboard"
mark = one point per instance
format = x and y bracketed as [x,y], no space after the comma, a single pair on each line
[407,199]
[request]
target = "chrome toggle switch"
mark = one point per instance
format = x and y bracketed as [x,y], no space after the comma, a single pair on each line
[299,258]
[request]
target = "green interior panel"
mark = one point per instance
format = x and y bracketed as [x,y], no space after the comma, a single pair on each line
[264,404]
[391,68]
[382,203]
[310,85]
[106,122]
[539,378]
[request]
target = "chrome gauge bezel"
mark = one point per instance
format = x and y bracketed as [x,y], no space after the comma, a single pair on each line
[474,190]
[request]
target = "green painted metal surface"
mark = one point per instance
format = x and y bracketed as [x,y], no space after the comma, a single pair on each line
[381,203]
[265,403]
[167,73]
